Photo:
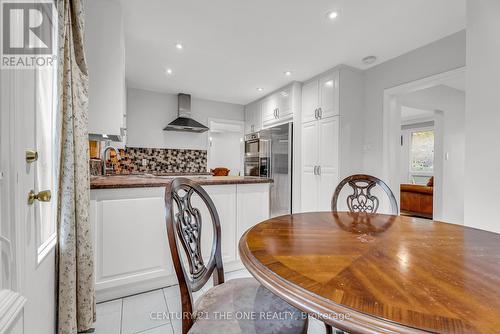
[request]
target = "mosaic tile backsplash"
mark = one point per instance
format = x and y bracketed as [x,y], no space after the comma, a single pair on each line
[160,160]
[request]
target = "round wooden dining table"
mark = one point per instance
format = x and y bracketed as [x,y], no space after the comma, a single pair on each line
[375,273]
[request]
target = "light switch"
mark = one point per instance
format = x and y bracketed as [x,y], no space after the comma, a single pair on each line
[144,162]
[447,156]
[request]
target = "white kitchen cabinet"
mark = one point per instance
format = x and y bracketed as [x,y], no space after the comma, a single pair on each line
[320,163]
[105,55]
[320,97]
[310,153]
[253,117]
[130,245]
[328,161]
[224,198]
[131,250]
[280,106]
[252,207]
[310,101]
[331,147]
[269,107]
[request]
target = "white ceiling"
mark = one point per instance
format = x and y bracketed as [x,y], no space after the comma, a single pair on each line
[231,47]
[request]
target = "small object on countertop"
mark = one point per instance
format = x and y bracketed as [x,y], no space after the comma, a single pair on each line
[95,167]
[220,171]
[94,149]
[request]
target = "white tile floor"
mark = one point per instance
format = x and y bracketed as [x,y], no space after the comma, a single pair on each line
[144,313]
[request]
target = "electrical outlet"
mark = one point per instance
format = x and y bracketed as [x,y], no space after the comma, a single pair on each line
[144,162]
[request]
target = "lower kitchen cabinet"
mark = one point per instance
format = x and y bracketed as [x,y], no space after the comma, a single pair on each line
[252,208]
[131,249]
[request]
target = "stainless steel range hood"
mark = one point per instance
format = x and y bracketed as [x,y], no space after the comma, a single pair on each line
[184,122]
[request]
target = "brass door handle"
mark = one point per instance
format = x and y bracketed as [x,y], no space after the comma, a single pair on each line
[42,196]
[31,156]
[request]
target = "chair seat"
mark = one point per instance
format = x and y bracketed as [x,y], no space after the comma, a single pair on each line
[245,306]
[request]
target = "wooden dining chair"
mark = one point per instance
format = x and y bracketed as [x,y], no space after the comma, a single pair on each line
[362,200]
[234,306]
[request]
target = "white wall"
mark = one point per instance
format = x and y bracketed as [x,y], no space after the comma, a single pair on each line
[482,162]
[226,150]
[149,112]
[451,102]
[440,56]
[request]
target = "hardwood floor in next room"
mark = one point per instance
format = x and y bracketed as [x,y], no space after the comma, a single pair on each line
[144,313]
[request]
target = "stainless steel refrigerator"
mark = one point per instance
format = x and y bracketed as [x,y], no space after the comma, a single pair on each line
[280,148]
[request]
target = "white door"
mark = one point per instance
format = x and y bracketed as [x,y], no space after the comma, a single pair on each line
[328,131]
[309,182]
[11,317]
[329,95]
[309,101]
[29,107]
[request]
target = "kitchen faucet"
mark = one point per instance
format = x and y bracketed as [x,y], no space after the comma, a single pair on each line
[105,169]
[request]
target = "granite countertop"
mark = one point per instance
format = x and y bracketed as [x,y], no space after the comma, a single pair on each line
[149,180]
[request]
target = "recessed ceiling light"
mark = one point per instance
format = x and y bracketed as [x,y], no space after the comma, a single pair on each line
[260,89]
[168,71]
[288,73]
[178,46]
[369,60]
[332,15]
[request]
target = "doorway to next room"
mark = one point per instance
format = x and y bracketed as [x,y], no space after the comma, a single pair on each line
[428,118]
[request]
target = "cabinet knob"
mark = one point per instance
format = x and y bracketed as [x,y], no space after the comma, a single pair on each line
[42,196]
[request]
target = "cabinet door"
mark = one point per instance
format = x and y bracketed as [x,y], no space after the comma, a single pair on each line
[309,101]
[248,119]
[252,206]
[253,118]
[328,130]
[268,111]
[130,246]
[105,56]
[284,102]
[329,95]
[257,116]
[224,198]
[309,187]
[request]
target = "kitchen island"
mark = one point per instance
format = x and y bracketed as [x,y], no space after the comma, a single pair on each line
[127,213]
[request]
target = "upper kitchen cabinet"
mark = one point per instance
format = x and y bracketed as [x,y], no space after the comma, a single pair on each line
[280,106]
[320,97]
[253,117]
[105,54]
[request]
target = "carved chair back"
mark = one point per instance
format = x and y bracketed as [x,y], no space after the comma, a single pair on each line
[184,230]
[362,200]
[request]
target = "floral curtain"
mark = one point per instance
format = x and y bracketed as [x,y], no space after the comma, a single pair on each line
[76,296]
